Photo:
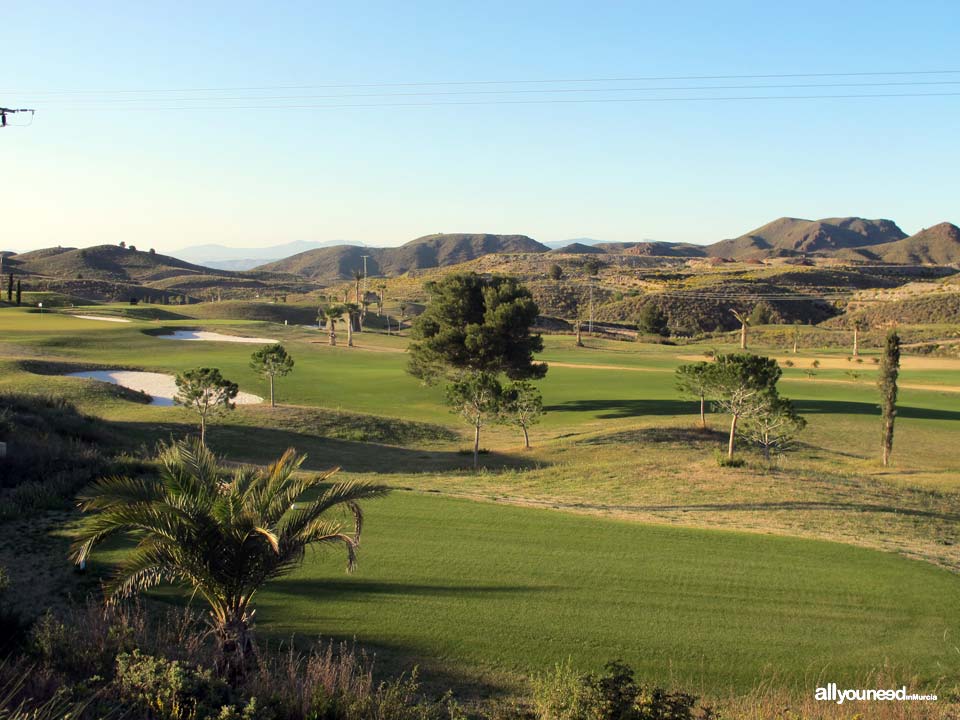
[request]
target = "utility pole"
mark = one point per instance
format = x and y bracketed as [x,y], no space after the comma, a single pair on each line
[590,329]
[4,112]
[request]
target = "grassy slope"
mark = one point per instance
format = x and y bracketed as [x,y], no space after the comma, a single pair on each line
[606,446]
[460,586]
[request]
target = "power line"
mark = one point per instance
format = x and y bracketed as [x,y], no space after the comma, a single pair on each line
[661,78]
[537,91]
[555,101]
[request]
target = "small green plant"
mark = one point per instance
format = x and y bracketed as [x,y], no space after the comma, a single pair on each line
[167,689]
[724,461]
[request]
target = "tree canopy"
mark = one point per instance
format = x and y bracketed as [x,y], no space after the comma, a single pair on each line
[652,320]
[887,382]
[222,533]
[272,361]
[207,393]
[741,384]
[476,324]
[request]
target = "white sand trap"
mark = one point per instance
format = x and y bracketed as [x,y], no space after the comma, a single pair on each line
[104,318]
[214,337]
[160,387]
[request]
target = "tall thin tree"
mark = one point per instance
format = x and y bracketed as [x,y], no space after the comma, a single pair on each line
[744,321]
[889,372]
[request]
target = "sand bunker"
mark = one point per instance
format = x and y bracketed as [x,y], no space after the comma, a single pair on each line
[104,318]
[214,337]
[160,387]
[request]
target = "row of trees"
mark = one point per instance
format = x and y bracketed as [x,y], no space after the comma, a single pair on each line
[744,386]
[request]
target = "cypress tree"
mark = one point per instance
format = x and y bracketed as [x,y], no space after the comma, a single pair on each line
[889,371]
[18,292]
[10,288]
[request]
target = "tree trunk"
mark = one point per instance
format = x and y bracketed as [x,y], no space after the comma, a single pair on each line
[350,330]
[526,437]
[733,434]
[333,333]
[794,344]
[743,335]
[703,414]
[887,441]
[203,430]
[272,403]
[476,445]
[579,335]
[237,649]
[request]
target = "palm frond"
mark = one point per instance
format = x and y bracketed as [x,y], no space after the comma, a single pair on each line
[119,490]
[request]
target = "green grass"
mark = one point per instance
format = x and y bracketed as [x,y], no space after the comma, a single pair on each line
[470,589]
[466,588]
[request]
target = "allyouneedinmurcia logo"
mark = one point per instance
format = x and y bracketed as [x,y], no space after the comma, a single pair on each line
[831,692]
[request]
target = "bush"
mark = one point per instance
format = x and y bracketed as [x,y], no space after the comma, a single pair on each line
[724,461]
[614,694]
[162,689]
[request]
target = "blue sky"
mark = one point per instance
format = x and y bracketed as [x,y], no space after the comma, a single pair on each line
[99,167]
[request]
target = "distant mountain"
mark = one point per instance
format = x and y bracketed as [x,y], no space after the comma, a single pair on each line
[224,257]
[104,262]
[429,251]
[937,245]
[653,248]
[556,244]
[794,236]
[576,248]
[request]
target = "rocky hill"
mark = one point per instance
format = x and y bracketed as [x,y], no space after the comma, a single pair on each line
[108,272]
[787,237]
[937,245]
[430,251]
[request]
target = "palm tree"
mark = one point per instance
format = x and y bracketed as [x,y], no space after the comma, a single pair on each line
[333,313]
[357,277]
[222,536]
[353,313]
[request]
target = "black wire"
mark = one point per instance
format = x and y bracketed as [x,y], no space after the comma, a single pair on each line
[546,91]
[519,102]
[499,82]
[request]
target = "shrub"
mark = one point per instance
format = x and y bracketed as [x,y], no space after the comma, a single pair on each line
[163,689]
[613,694]
[724,461]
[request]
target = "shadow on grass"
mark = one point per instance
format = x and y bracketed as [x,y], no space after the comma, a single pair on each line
[260,445]
[626,408]
[690,436]
[357,588]
[608,409]
[842,407]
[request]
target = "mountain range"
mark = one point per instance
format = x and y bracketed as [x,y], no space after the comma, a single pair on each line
[429,251]
[849,239]
[223,257]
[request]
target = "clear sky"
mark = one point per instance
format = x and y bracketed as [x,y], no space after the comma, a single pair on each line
[109,166]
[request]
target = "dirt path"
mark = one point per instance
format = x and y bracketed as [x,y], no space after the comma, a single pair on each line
[628,368]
